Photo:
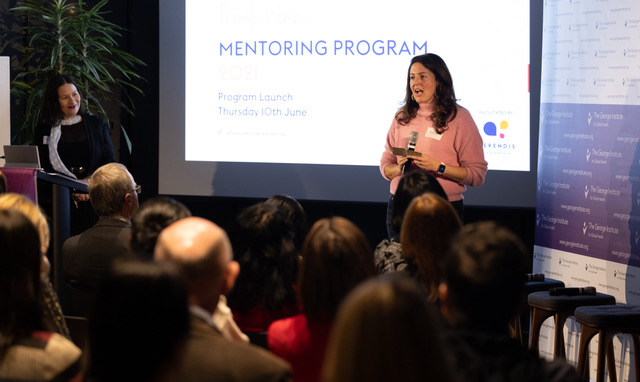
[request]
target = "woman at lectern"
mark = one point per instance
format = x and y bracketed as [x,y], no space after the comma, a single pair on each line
[71,142]
[446,141]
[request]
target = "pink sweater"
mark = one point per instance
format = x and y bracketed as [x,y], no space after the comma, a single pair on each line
[459,145]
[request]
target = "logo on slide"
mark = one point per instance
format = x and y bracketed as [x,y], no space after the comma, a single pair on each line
[491,129]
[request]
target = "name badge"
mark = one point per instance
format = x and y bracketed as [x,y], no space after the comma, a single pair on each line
[431,133]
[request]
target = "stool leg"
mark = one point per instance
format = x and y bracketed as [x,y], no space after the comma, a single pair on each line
[515,329]
[636,355]
[558,349]
[538,316]
[519,326]
[611,358]
[604,339]
[586,334]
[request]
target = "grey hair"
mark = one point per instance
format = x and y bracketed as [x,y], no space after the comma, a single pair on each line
[108,186]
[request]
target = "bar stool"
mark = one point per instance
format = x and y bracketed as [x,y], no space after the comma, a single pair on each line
[543,306]
[606,321]
[524,311]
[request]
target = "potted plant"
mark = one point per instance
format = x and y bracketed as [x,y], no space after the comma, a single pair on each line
[68,36]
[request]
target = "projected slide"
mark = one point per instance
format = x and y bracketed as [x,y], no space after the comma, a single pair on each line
[319,82]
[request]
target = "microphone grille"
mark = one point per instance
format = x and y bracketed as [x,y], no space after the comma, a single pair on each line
[413,136]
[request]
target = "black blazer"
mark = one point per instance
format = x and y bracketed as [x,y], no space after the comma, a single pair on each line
[211,357]
[87,258]
[98,137]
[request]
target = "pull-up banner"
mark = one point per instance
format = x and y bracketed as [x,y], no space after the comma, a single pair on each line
[588,189]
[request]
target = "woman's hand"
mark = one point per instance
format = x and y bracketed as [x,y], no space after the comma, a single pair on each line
[393,170]
[80,197]
[425,162]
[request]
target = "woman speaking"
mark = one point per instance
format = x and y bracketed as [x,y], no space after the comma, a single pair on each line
[447,137]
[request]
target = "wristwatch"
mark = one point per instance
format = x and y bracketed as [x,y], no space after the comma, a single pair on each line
[441,168]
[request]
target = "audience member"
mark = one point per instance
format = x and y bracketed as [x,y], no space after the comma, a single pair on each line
[23,204]
[479,296]
[336,257]
[151,218]
[140,324]
[262,242]
[87,257]
[294,211]
[388,254]
[28,351]
[202,251]
[428,226]
[147,222]
[385,330]
[53,316]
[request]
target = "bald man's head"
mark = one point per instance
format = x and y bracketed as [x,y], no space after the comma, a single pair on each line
[202,250]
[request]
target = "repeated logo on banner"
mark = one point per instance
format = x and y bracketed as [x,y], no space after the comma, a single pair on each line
[589,181]
[588,203]
[588,190]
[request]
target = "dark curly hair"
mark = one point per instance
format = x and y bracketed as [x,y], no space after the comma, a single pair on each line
[445,97]
[263,245]
[150,219]
[294,211]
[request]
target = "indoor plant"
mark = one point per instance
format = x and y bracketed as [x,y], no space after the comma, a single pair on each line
[70,37]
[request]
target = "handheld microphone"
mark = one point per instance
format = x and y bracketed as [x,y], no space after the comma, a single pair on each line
[585,291]
[411,146]
[535,277]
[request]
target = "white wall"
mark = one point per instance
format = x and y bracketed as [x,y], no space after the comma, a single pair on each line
[5,110]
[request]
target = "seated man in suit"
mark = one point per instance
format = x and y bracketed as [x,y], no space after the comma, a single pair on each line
[482,289]
[87,257]
[202,251]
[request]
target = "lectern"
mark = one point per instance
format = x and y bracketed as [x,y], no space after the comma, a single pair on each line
[24,181]
[62,186]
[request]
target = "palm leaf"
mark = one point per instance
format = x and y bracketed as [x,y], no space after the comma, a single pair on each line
[68,36]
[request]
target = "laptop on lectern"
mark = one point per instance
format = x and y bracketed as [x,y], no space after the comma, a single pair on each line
[21,156]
